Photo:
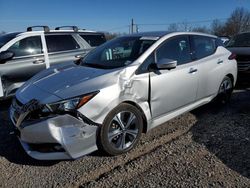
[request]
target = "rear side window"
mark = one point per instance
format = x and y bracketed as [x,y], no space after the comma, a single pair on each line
[58,43]
[176,48]
[203,46]
[94,40]
[27,46]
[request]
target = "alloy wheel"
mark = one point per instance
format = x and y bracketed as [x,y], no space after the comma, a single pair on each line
[123,130]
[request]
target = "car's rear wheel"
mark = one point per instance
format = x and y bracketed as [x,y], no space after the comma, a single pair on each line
[225,91]
[121,130]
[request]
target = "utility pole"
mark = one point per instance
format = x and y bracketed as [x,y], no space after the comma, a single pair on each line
[132,26]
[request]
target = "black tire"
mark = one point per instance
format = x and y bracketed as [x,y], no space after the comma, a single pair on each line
[225,91]
[112,136]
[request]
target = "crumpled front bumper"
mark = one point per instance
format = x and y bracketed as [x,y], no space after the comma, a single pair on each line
[64,136]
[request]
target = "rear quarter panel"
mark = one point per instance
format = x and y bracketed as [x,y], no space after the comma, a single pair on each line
[211,73]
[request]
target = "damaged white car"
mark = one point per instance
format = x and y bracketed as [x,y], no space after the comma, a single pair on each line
[126,86]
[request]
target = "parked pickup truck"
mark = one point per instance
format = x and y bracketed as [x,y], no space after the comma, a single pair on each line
[23,54]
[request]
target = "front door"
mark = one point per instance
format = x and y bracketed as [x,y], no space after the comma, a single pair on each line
[172,89]
[27,61]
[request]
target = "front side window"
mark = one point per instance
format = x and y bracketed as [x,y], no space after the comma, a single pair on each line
[203,46]
[118,52]
[58,43]
[176,48]
[27,46]
[93,39]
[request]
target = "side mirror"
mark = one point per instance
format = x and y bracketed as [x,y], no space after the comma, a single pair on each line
[164,64]
[5,56]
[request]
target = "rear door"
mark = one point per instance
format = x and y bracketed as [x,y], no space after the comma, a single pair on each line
[210,62]
[63,47]
[172,89]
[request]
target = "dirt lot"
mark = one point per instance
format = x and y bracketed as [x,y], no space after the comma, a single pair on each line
[207,147]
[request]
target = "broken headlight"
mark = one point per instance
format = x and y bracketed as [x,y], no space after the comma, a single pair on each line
[69,105]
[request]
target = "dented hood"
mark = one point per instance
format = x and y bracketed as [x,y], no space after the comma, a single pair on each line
[68,81]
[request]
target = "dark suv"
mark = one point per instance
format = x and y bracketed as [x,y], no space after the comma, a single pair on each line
[23,54]
[240,45]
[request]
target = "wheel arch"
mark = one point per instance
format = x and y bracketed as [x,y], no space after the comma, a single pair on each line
[145,124]
[231,77]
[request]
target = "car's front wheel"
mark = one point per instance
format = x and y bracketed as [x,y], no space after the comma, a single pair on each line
[121,130]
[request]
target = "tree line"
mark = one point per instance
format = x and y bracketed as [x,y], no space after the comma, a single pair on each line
[238,22]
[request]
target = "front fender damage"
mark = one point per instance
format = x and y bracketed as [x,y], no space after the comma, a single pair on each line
[127,87]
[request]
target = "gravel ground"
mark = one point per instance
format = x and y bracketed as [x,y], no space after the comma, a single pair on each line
[207,147]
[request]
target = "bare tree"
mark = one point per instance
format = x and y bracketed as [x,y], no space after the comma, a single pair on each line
[202,29]
[239,21]
[173,27]
[184,26]
[217,28]
[110,36]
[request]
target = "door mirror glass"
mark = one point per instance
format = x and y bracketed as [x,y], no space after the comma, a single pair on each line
[5,56]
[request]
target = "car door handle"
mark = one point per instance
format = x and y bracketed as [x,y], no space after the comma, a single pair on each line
[220,62]
[79,56]
[192,70]
[38,61]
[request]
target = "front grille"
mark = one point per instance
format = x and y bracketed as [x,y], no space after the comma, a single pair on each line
[16,107]
[46,147]
[243,58]
[243,66]
[243,62]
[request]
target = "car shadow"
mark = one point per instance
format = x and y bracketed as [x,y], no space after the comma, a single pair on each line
[243,82]
[10,147]
[225,130]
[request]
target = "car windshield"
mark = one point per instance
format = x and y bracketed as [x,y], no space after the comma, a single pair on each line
[6,38]
[242,40]
[118,52]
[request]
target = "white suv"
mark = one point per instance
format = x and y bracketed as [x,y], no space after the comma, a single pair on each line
[23,54]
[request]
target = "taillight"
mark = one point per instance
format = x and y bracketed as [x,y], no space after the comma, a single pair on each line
[232,56]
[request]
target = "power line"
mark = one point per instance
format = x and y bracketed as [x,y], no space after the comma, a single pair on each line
[166,24]
[117,28]
[186,22]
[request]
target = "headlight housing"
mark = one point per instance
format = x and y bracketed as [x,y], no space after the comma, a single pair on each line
[69,105]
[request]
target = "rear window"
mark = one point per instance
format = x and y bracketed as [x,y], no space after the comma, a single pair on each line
[94,40]
[203,46]
[241,40]
[58,43]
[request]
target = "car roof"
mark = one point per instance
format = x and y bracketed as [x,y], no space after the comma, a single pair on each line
[160,34]
[56,32]
[151,34]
